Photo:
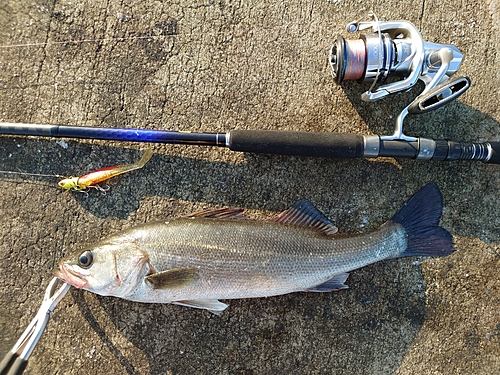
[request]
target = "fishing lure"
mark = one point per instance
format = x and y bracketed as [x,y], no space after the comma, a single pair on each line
[93,178]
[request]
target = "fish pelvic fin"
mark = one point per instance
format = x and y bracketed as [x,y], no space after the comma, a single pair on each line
[304,214]
[334,284]
[420,219]
[173,279]
[212,305]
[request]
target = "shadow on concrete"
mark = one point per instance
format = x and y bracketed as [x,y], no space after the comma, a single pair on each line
[455,121]
[287,334]
[386,304]
[184,178]
[79,298]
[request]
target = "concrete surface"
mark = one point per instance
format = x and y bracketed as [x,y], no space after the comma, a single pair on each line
[221,65]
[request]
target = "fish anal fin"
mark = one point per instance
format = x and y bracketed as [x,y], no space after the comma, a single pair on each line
[335,283]
[220,213]
[172,279]
[304,214]
[212,305]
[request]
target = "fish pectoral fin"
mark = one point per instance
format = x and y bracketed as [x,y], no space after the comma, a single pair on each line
[335,283]
[175,278]
[304,214]
[212,305]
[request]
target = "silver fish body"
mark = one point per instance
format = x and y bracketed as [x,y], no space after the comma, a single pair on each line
[197,261]
[253,259]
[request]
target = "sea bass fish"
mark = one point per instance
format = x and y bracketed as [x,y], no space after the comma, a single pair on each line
[195,261]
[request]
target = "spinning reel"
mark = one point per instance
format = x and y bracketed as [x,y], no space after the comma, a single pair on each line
[396,49]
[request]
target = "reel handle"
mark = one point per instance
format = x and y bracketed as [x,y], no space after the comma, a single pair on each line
[439,95]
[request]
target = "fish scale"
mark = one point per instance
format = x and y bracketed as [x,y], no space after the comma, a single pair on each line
[266,259]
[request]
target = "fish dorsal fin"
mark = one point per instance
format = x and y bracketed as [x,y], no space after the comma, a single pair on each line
[212,305]
[172,279]
[304,214]
[220,213]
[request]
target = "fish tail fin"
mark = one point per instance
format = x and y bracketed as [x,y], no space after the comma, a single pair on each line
[420,218]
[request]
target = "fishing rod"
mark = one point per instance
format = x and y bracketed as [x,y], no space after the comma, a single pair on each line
[394,49]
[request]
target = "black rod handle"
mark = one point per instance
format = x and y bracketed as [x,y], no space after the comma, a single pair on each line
[330,145]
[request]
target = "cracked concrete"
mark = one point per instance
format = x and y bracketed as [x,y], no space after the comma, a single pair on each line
[215,66]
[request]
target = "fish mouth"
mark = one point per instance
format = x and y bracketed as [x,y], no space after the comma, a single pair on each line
[70,276]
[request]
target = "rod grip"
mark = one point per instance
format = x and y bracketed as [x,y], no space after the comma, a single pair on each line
[328,145]
[495,154]
[488,152]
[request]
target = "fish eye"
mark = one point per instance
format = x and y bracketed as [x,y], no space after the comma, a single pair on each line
[86,259]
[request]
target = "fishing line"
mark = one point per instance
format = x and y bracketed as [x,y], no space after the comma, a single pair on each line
[355,51]
[30,174]
[380,55]
[236,32]
[33,174]
[288,28]
[97,187]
